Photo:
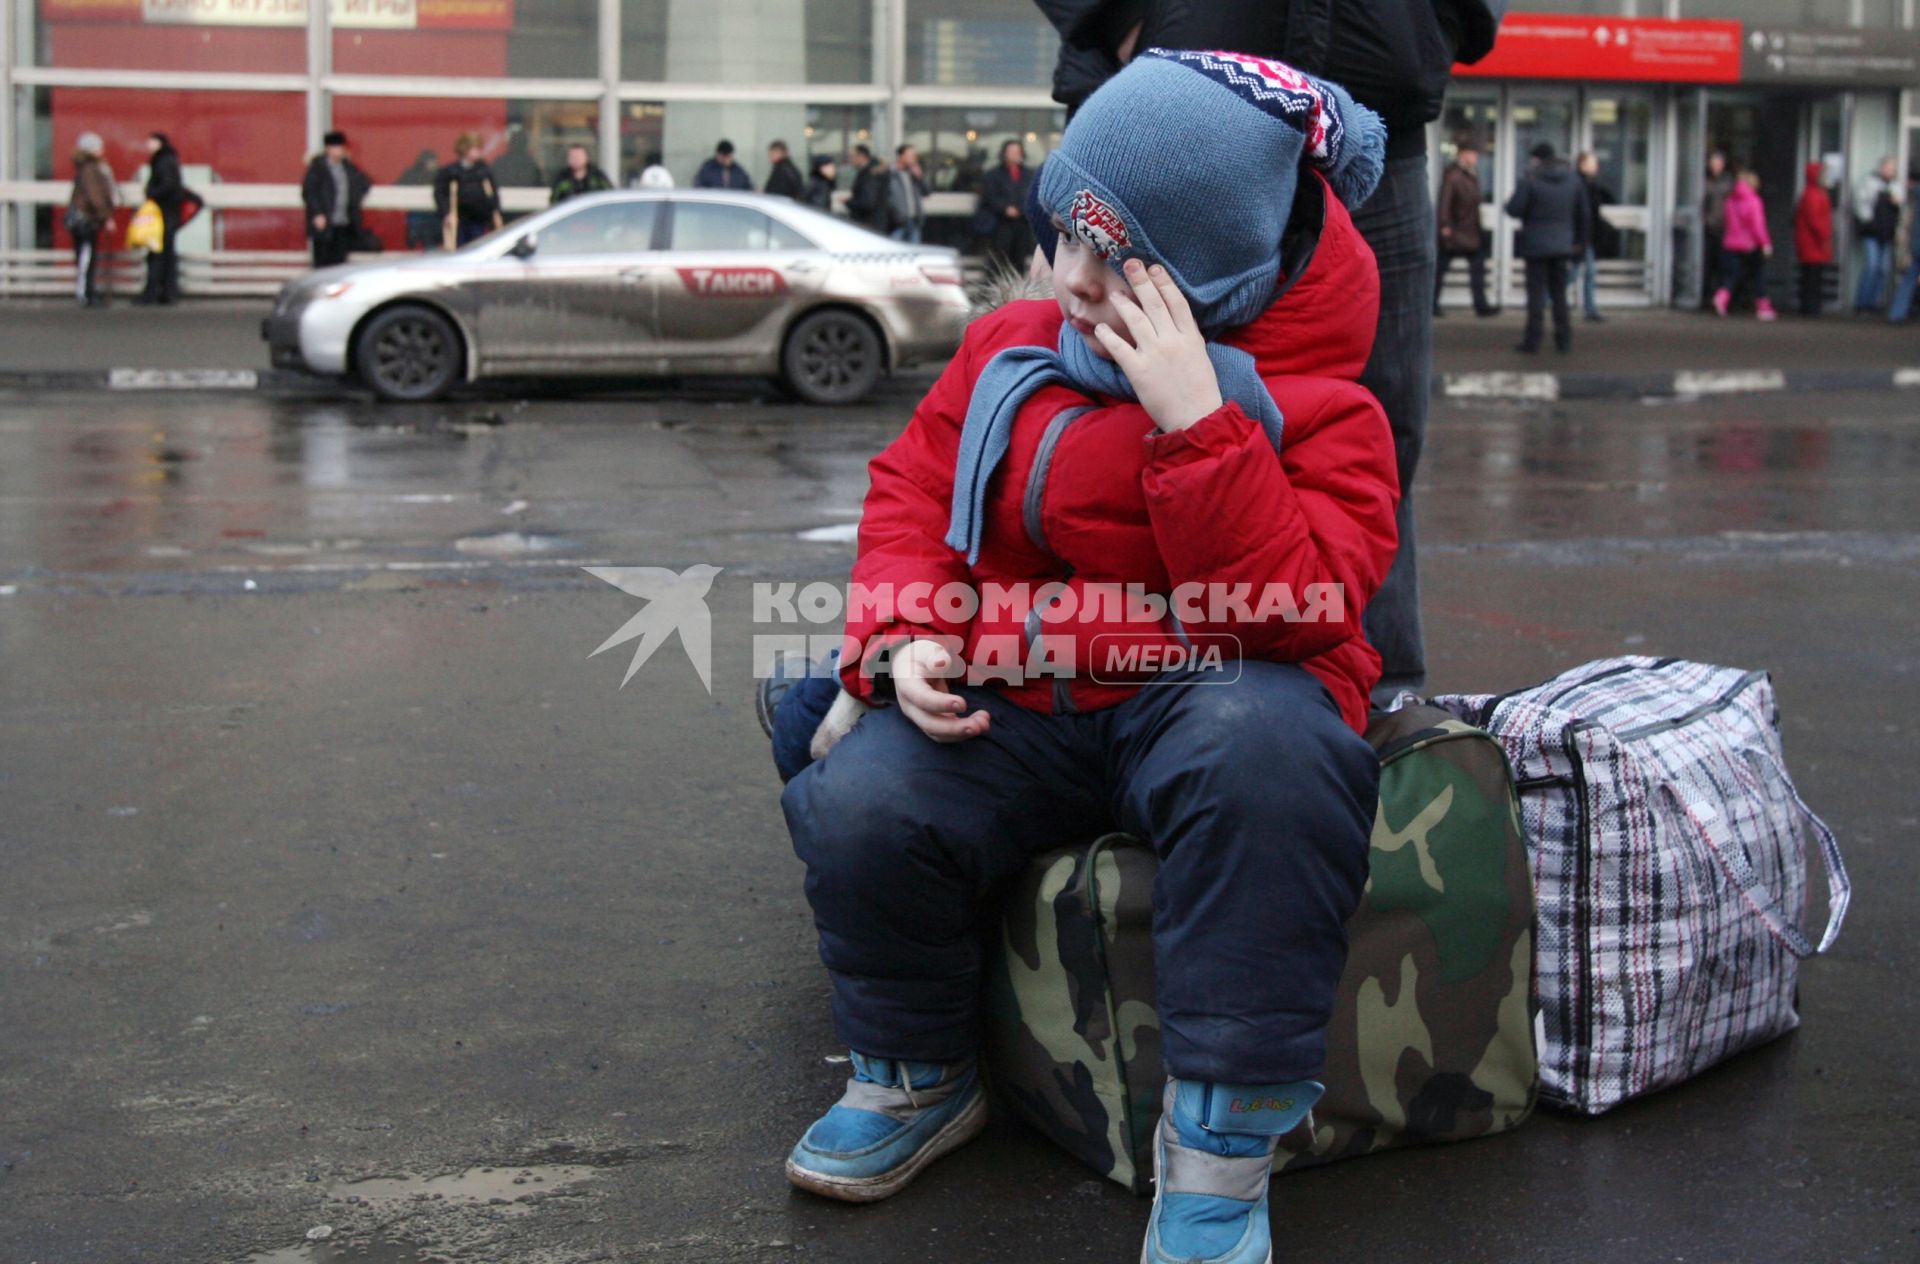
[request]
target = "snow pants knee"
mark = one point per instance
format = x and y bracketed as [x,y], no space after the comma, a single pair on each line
[1257,797]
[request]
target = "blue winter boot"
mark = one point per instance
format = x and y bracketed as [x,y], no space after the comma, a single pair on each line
[894,1119]
[1212,1158]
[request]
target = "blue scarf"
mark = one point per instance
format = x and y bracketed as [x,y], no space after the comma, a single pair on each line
[1011,378]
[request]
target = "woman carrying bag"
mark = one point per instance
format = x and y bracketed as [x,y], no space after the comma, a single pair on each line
[89,216]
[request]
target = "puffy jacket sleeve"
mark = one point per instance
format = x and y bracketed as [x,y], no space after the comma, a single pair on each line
[1227,510]
[903,530]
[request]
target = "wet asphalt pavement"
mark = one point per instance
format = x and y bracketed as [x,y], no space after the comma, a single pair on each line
[343,889]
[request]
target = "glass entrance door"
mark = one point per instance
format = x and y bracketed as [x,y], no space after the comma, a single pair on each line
[1534,114]
[1617,128]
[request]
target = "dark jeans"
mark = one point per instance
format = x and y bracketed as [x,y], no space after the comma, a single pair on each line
[86,267]
[471,230]
[1709,268]
[1813,288]
[1476,277]
[1547,283]
[330,246]
[1397,221]
[163,265]
[1744,270]
[907,841]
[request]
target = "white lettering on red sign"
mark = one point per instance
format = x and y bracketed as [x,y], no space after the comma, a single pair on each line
[733,282]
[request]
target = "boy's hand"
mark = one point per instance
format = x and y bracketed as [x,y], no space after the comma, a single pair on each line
[920,673]
[1164,354]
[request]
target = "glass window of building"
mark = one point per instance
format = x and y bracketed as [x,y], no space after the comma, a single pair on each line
[162,35]
[958,144]
[1620,130]
[221,137]
[791,41]
[488,39]
[1773,12]
[403,140]
[618,228]
[974,42]
[683,135]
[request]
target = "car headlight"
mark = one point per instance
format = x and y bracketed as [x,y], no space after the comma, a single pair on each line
[336,289]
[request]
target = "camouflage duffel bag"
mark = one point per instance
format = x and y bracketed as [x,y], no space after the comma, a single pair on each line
[1432,1036]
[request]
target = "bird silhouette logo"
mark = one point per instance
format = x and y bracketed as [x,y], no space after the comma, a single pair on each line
[676,602]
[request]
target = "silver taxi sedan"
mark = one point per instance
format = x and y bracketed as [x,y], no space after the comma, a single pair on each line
[641,283]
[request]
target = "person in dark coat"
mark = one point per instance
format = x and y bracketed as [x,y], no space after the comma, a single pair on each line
[1458,213]
[1551,205]
[820,183]
[423,227]
[168,191]
[1602,237]
[722,172]
[1003,202]
[1396,58]
[1813,240]
[465,195]
[89,216]
[333,190]
[867,204]
[906,197]
[1713,221]
[580,176]
[783,178]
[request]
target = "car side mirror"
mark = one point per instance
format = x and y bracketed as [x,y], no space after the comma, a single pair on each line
[525,246]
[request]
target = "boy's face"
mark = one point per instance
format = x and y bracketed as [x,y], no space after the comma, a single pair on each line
[1087,289]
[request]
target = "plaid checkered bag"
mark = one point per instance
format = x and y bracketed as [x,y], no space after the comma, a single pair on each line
[1670,869]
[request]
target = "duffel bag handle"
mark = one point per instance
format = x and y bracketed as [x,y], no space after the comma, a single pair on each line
[1753,888]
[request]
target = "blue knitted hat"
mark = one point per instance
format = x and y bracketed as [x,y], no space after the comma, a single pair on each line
[1190,159]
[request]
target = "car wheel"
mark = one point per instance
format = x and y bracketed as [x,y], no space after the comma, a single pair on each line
[408,353]
[832,358]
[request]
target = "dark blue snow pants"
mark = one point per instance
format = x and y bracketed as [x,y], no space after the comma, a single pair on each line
[1256,795]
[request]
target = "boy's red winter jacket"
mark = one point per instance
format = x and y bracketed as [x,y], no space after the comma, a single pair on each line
[1122,503]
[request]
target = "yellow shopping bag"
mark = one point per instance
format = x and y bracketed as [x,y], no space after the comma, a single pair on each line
[146,229]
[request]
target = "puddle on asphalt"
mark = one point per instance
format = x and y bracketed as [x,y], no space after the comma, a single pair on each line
[503,1191]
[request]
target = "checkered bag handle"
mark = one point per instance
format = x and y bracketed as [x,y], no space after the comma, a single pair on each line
[1752,886]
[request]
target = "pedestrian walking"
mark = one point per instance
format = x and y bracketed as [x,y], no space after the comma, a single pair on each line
[906,197]
[580,176]
[1171,334]
[1745,248]
[1396,58]
[867,204]
[783,178]
[1813,240]
[168,191]
[89,217]
[820,183]
[654,173]
[1458,215]
[1551,205]
[1713,221]
[333,191]
[1876,209]
[1602,238]
[722,172]
[1003,202]
[1906,259]
[465,196]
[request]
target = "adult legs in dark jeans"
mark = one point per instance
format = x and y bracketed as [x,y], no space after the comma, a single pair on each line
[1397,221]
[1476,279]
[1813,287]
[1547,285]
[906,840]
[330,246]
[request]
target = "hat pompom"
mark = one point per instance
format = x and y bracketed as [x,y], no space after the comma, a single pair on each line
[1355,172]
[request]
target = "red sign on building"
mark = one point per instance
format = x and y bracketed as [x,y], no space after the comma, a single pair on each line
[1567,46]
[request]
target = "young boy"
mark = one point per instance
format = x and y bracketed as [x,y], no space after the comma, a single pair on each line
[1183,419]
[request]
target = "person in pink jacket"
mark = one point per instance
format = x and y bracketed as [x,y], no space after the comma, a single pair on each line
[1745,249]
